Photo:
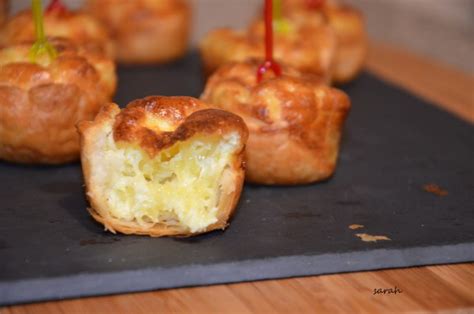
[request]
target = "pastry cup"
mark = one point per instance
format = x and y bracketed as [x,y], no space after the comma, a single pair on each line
[40,103]
[295,122]
[348,25]
[307,45]
[145,31]
[78,27]
[163,166]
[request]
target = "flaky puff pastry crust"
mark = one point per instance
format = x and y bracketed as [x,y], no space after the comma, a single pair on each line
[295,122]
[189,117]
[145,31]
[348,25]
[79,27]
[40,103]
[307,45]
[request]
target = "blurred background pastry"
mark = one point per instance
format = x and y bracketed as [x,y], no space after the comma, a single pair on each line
[295,122]
[321,37]
[79,27]
[145,31]
[416,25]
[43,97]
[305,44]
[348,25]
[163,166]
[4,5]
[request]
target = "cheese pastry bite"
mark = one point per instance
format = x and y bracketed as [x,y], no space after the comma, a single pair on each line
[145,31]
[163,166]
[349,26]
[295,122]
[78,27]
[307,45]
[41,102]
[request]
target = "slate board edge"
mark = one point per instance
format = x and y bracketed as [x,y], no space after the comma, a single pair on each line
[84,285]
[423,100]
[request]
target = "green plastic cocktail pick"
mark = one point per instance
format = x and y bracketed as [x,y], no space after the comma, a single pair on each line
[281,24]
[41,45]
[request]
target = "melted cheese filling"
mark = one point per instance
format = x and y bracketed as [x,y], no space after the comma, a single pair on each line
[179,186]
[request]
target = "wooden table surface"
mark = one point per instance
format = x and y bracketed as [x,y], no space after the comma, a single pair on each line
[443,288]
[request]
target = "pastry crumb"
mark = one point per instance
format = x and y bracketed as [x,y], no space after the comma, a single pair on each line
[372,238]
[435,189]
[356,226]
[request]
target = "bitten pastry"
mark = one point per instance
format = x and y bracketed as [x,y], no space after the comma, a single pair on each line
[295,122]
[145,31]
[163,166]
[40,102]
[79,27]
[348,25]
[305,44]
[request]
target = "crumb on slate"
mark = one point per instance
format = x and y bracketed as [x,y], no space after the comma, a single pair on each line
[435,189]
[372,238]
[356,226]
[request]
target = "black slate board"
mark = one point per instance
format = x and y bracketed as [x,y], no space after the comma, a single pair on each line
[393,145]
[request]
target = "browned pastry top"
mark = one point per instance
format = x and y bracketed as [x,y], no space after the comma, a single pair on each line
[347,21]
[157,122]
[306,44]
[144,31]
[79,27]
[295,121]
[90,71]
[291,101]
[41,101]
[133,16]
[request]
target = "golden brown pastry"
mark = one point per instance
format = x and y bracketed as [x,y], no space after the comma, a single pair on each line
[145,31]
[163,166]
[41,102]
[3,11]
[349,27]
[295,122]
[81,28]
[307,45]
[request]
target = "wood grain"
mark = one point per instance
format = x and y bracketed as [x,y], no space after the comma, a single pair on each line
[446,288]
[433,288]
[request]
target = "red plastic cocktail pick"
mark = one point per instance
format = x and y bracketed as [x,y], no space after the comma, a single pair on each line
[56,5]
[269,63]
